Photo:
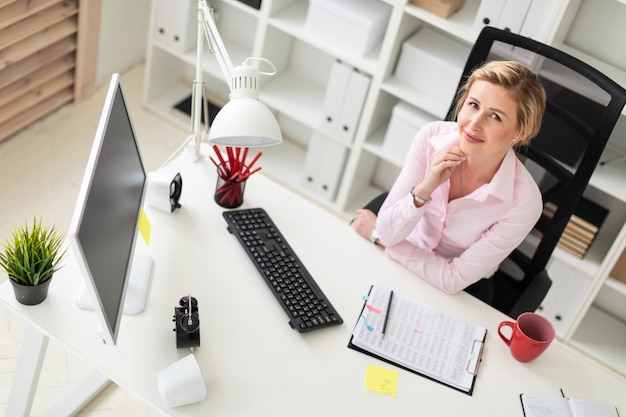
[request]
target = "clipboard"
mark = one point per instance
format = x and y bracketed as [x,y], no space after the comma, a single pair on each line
[404,316]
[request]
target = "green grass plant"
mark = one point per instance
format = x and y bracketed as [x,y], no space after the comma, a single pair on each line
[32,254]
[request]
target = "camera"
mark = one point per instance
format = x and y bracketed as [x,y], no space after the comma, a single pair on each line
[187,321]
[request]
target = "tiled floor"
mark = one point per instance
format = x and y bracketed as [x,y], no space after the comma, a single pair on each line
[41,169]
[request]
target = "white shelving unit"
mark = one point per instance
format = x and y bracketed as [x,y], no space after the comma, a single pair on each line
[590,312]
[598,324]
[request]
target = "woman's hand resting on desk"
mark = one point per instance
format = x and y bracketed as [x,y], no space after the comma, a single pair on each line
[363,223]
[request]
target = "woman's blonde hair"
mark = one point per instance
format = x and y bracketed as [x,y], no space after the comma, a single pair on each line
[528,91]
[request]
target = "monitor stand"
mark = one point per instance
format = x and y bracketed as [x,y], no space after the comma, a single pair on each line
[137,291]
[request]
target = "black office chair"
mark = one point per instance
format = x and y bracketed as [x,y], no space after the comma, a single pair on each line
[582,108]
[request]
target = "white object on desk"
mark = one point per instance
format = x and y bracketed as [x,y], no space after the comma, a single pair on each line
[165,186]
[182,382]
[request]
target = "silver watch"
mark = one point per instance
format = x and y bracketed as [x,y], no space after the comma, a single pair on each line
[374,236]
[418,198]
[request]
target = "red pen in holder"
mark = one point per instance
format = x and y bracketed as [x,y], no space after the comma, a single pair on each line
[232,175]
[229,193]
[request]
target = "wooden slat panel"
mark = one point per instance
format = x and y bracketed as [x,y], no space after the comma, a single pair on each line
[87,48]
[48,54]
[6,2]
[38,41]
[38,23]
[36,78]
[42,58]
[32,97]
[36,112]
[18,10]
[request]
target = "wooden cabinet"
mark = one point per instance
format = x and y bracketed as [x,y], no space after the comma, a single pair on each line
[44,63]
[298,92]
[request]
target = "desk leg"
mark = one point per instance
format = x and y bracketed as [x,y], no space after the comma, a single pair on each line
[32,353]
[82,393]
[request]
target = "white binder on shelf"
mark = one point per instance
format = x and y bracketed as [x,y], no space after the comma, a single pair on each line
[331,170]
[184,24]
[356,92]
[312,161]
[335,93]
[162,22]
[514,14]
[488,14]
[323,166]
[503,14]
[566,293]
[538,22]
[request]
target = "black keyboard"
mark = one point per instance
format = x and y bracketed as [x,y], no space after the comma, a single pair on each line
[293,286]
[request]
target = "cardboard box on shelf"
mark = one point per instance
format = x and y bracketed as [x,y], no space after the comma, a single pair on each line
[619,270]
[442,8]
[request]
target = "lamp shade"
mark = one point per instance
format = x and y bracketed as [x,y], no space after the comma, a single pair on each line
[245,122]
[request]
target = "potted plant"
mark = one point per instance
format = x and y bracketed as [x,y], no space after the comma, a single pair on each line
[31,257]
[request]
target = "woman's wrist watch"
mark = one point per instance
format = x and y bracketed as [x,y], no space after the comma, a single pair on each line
[374,236]
[417,198]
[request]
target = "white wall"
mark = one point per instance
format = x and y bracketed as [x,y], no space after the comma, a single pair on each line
[123,36]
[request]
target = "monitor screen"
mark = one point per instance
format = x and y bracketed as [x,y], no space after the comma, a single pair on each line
[103,231]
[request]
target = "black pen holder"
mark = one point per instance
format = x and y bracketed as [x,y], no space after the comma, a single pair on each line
[229,193]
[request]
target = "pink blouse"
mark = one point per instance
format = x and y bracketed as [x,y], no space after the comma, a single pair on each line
[454,244]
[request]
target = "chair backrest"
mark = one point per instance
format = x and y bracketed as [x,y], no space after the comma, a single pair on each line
[583,106]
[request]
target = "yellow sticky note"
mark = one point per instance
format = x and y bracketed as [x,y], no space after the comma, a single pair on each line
[145,228]
[381,380]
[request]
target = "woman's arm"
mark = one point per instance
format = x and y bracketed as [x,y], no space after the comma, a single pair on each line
[480,260]
[424,171]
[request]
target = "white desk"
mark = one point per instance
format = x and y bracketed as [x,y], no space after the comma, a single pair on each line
[253,362]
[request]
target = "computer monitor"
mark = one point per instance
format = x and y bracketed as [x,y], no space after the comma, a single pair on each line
[103,232]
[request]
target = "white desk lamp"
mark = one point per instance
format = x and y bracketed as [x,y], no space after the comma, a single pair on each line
[244,121]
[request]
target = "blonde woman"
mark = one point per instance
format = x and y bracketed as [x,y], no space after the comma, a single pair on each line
[463,200]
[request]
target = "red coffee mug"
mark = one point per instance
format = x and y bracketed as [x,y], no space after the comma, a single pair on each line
[531,335]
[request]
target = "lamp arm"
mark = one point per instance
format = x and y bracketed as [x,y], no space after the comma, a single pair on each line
[212,35]
[207,29]
[242,83]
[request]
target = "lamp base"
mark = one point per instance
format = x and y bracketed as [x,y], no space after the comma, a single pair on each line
[192,152]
